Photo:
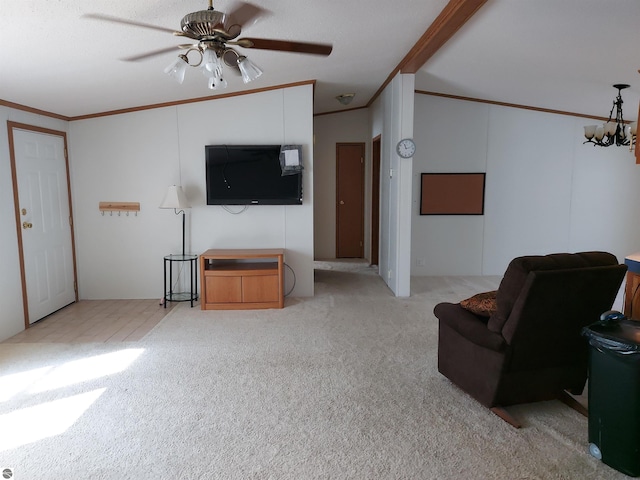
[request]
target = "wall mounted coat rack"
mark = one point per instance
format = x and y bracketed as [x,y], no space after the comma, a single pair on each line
[119,207]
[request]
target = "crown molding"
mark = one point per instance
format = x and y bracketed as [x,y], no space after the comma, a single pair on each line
[25,108]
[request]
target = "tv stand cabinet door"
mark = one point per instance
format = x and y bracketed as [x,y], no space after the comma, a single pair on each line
[260,289]
[223,289]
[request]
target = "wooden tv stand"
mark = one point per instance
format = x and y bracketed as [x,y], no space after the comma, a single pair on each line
[242,279]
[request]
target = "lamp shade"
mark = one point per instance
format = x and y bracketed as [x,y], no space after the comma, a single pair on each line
[175,198]
[178,68]
[249,70]
[211,63]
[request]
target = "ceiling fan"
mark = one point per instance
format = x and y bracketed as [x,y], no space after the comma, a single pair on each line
[216,34]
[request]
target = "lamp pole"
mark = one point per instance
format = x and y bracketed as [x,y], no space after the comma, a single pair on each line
[183,216]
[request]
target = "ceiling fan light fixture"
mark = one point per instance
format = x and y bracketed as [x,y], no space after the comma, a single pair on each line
[212,33]
[249,70]
[178,68]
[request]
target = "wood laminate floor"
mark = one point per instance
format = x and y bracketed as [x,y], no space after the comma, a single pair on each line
[96,321]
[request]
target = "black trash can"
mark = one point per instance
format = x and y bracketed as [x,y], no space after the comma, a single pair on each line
[614,392]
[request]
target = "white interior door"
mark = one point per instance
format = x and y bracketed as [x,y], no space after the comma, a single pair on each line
[45,222]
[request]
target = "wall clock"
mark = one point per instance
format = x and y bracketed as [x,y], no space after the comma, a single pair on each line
[406,148]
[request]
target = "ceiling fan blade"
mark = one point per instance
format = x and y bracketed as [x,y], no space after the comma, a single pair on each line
[242,15]
[142,56]
[109,18]
[285,45]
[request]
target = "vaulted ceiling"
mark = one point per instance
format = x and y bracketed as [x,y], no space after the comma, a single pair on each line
[555,54]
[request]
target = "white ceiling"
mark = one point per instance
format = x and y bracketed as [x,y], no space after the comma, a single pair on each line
[555,54]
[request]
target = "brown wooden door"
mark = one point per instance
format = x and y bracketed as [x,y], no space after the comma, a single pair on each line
[375,201]
[349,200]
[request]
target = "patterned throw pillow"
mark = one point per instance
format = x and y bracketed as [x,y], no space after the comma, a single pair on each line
[483,304]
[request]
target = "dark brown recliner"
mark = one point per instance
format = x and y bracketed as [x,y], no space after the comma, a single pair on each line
[530,349]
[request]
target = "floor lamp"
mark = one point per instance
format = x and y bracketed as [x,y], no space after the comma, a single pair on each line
[176,199]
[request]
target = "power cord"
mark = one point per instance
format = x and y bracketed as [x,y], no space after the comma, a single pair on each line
[226,207]
[294,280]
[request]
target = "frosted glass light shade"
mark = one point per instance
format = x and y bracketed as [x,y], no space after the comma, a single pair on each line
[217,82]
[610,128]
[599,133]
[590,131]
[211,62]
[248,69]
[177,69]
[175,198]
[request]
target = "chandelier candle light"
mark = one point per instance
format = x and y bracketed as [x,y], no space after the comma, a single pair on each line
[614,131]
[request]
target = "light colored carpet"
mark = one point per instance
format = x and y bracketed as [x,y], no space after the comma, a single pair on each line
[340,386]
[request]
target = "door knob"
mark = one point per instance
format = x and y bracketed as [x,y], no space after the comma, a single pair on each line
[341,202]
[26,225]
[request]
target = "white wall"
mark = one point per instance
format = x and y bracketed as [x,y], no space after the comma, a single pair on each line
[545,191]
[392,118]
[344,127]
[12,313]
[135,156]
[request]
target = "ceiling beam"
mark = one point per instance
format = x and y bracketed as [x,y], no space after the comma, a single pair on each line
[450,20]
[452,17]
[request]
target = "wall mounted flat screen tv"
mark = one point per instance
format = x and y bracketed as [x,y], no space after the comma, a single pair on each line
[249,175]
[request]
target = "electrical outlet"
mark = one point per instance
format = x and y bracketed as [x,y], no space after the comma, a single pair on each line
[421,262]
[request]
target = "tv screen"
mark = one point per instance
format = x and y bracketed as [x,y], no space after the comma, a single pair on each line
[249,175]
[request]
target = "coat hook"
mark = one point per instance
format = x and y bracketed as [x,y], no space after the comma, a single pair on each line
[102,213]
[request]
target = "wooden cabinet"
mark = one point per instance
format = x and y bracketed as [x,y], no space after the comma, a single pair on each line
[242,279]
[631,300]
[632,287]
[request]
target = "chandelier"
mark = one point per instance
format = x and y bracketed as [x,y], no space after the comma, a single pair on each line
[613,131]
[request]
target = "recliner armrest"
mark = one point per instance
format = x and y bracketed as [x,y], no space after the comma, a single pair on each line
[470,326]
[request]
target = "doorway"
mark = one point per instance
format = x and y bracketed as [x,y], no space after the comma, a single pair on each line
[42,198]
[349,200]
[375,200]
